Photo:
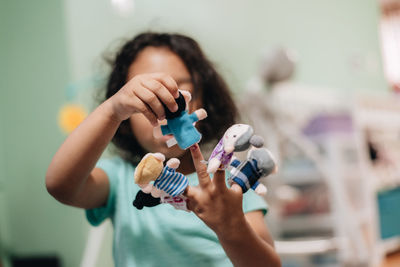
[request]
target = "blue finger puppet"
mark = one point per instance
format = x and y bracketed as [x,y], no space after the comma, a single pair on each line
[180,124]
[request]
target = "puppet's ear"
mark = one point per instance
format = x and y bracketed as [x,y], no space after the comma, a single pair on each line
[256,141]
[186,95]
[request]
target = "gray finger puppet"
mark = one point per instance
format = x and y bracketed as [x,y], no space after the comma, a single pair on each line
[259,163]
[237,138]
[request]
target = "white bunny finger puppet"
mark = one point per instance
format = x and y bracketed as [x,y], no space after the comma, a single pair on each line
[259,163]
[237,138]
[167,181]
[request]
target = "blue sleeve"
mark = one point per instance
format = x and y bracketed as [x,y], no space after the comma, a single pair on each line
[193,117]
[97,215]
[252,202]
[165,129]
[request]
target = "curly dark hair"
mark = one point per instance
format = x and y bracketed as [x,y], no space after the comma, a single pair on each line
[208,85]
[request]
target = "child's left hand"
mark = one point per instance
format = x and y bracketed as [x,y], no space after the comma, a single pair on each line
[212,201]
[245,238]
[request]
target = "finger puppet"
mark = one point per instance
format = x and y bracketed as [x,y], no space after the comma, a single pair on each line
[166,180]
[259,163]
[178,202]
[237,138]
[180,124]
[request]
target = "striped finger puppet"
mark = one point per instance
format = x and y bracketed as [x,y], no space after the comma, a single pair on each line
[171,182]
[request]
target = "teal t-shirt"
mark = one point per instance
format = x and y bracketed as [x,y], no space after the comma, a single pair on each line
[161,235]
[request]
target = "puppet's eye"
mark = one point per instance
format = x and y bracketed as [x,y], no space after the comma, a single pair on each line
[234,135]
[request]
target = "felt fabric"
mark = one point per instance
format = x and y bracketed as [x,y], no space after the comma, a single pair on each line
[179,238]
[183,130]
[180,101]
[265,161]
[221,155]
[143,199]
[147,169]
[171,182]
[178,202]
[245,174]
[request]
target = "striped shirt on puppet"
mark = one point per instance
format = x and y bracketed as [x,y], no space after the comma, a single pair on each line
[171,182]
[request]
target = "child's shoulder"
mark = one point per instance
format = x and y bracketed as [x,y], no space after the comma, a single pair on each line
[112,160]
[114,164]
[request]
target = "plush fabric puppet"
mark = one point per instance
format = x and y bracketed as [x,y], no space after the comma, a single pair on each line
[237,138]
[178,202]
[259,163]
[167,181]
[180,123]
[143,199]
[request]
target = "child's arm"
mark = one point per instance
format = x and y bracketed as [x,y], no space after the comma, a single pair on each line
[71,177]
[244,237]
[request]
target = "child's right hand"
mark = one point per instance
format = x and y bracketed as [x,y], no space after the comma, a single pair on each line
[144,94]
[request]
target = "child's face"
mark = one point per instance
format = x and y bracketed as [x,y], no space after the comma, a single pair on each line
[159,59]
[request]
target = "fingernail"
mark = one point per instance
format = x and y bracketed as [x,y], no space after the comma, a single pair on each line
[194,147]
[175,108]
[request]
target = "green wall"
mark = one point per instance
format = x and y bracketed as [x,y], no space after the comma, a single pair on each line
[35,71]
[336,42]
[48,44]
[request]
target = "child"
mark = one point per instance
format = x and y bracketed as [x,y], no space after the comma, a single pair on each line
[147,72]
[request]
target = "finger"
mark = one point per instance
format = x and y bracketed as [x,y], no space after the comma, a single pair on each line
[190,192]
[166,97]
[201,168]
[219,180]
[145,110]
[162,93]
[152,101]
[168,82]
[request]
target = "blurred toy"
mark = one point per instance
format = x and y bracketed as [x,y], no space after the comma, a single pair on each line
[180,123]
[167,182]
[259,163]
[237,138]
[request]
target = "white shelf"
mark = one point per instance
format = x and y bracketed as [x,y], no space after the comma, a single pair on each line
[299,223]
[299,176]
[306,247]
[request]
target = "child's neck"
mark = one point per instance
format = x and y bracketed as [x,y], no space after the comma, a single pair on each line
[186,167]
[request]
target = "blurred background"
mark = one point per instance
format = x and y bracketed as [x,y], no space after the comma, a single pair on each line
[319,80]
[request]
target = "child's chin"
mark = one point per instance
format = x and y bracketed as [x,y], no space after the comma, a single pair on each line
[171,152]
